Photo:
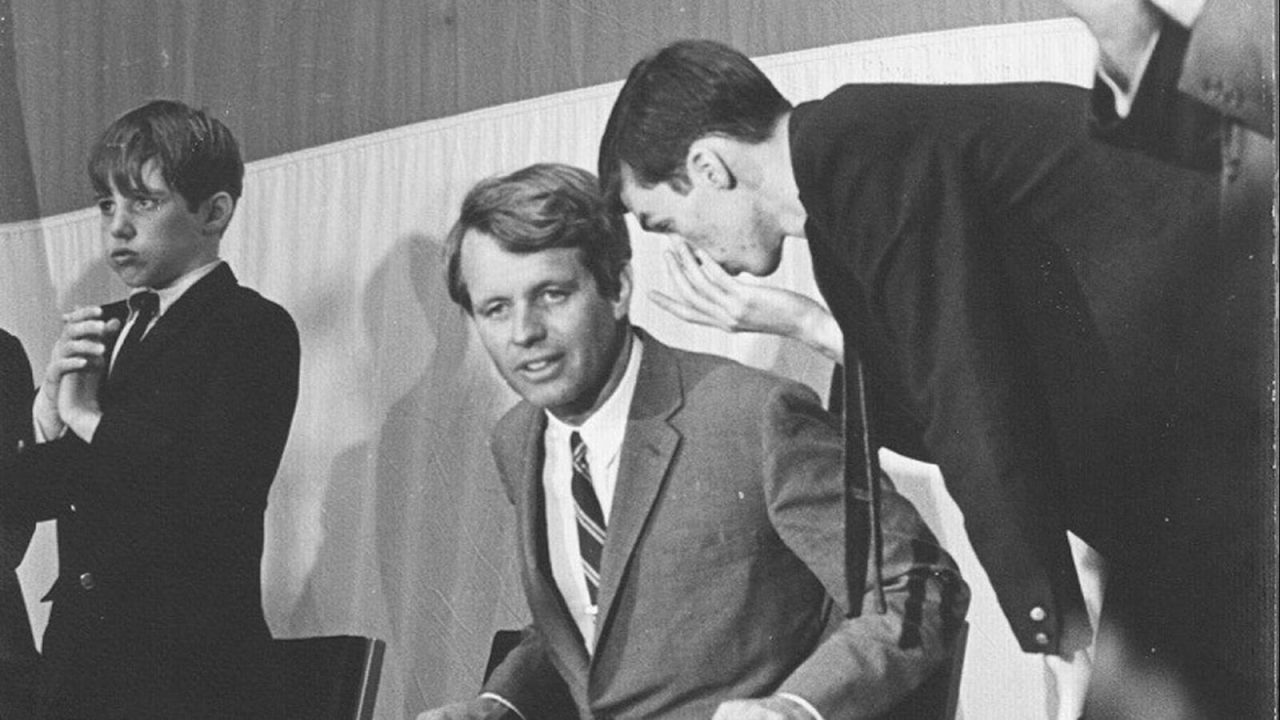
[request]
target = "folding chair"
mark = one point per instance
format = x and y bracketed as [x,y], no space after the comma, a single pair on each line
[316,678]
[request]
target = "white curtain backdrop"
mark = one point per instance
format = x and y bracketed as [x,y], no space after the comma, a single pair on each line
[386,518]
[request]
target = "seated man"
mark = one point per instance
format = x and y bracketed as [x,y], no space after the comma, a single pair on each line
[680,516]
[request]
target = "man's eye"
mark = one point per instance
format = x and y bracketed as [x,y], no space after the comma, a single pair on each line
[144,203]
[493,312]
[106,207]
[554,295]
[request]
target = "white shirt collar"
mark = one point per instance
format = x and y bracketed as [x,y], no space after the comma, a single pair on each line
[176,289]
[603,431]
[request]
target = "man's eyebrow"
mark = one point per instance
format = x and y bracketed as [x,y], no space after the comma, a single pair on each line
[568,284]
[479,301]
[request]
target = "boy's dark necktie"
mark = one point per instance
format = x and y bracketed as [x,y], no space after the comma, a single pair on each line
[144,306]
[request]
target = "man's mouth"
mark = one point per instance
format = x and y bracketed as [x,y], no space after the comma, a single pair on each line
[539,368]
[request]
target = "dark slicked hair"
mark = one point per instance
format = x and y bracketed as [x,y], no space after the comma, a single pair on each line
[685,91]
[543,206]
[197,155]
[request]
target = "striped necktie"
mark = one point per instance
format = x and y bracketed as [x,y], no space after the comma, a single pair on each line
[591,526]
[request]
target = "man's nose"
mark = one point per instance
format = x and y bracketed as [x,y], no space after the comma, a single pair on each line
[527,327]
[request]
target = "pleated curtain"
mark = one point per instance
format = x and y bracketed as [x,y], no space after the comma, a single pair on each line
[386,518]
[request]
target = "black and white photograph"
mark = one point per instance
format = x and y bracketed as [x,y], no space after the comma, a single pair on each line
[638,360]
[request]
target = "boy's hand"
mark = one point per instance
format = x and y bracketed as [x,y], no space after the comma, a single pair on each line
[79,354]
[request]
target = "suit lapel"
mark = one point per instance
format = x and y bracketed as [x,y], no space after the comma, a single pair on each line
[193,305]
[115,311]
[648,446]
[559,628]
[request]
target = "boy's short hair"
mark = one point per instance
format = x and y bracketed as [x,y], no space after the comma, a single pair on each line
[685,91]
[540,207]
[197,155]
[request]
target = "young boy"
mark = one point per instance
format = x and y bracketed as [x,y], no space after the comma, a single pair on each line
[160,424]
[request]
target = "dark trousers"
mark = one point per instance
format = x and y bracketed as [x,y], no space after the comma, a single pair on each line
[96,667]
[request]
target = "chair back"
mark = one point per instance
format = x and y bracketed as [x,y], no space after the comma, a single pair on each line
[504,641]
[315,678]
[550,701]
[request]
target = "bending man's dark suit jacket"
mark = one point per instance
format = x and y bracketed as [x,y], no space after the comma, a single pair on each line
[17,647]
[725,543]
[1022,297]
[160,519]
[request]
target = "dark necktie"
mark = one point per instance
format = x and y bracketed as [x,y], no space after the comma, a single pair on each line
[591,526]
[144,306]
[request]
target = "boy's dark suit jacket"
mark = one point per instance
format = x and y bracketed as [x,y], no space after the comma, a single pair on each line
[160,519]
[17,648]
[725,546]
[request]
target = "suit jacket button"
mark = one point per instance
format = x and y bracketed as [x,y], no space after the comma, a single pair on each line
[87,582]
[1038,614]
[1041,639]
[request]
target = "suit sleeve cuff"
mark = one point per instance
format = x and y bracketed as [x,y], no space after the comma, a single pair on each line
[808,707]
[505,703]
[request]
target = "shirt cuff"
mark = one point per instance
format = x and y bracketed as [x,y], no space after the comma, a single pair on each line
[40,436]
[808,707]
[1125,96]
[505,703]
[1070,680]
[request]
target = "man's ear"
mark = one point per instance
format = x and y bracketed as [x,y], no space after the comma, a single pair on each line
[622,305]
[706,163]
[217,211]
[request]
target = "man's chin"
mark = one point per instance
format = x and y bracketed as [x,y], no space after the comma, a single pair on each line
[132,280]
[766,266]
[541,397]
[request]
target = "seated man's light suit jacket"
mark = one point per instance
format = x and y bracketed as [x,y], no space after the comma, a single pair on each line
[723,555]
